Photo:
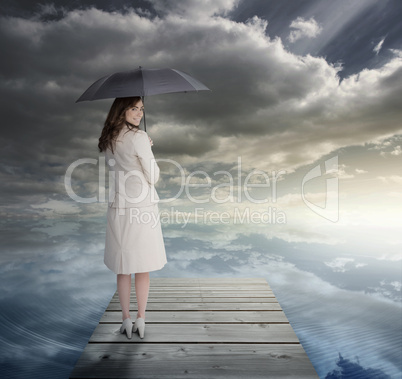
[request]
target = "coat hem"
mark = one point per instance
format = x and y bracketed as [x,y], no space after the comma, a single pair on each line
[136,271]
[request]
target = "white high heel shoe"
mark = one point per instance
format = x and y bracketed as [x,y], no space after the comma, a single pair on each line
[139,324]
[127,327]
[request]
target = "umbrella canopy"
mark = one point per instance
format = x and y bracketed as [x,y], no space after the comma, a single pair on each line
[142,82]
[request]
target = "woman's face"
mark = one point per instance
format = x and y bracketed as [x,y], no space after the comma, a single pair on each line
[135,113]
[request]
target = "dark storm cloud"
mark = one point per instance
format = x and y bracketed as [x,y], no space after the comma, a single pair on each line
[350,29]
[56,9]
[262,94]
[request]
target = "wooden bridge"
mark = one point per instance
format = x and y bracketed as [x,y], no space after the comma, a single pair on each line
[198,328]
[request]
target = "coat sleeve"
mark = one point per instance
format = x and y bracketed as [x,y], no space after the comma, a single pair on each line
[143,151]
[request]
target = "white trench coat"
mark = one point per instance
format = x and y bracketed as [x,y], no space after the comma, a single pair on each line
[134,241]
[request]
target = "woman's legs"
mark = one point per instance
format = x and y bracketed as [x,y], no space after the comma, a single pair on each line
[142,290]
[124,290]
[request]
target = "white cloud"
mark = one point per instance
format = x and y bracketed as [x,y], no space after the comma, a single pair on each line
[397,285]
[397,151]
[358,265]
[360,171]
[390,257]
[388,147]
[304,29]
[378,47]
[258,23]
[195,9]
[391,179]
[342,173]
[338,264]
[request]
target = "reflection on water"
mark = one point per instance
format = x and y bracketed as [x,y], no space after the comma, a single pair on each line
[365,333]
[42,338]
[55,288]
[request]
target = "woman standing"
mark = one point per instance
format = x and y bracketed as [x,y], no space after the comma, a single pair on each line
[134,241]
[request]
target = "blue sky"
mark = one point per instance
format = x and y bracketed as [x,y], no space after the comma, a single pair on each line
[294,85]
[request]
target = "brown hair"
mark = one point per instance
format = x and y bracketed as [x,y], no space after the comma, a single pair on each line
[115,120]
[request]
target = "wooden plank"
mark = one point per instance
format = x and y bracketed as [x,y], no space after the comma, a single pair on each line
[223,287]
[200,299]
[201,306]
[195,361]
[209,288]
[204,294]
[160,281]
[208,280]
[201,333]
[261,317]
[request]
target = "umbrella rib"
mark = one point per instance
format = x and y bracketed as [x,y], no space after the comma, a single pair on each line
[197,85]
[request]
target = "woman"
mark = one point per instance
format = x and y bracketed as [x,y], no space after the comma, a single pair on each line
[134,241]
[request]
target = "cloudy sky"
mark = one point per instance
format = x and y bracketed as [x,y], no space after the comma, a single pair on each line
[297,88]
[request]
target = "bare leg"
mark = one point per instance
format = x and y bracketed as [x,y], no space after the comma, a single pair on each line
[124,290]
[142,291]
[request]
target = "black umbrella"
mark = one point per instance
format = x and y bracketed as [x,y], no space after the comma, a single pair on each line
[142,82]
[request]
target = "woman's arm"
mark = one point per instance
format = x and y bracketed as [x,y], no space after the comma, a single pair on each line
[144,152]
